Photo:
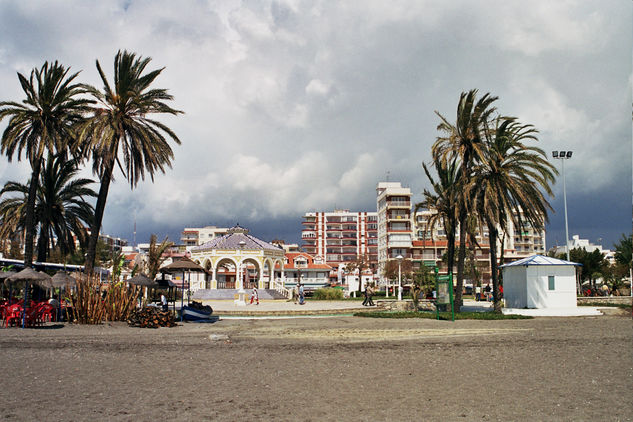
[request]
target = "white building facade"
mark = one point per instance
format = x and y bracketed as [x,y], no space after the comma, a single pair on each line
[395,234]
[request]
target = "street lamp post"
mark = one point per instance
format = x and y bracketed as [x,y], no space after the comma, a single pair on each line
[399,258]
[564,155]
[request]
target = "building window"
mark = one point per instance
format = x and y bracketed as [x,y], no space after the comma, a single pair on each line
[551,283]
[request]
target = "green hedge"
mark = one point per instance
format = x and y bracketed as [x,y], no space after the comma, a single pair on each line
[328,293]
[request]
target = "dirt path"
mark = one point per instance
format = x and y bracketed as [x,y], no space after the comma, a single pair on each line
[322,369]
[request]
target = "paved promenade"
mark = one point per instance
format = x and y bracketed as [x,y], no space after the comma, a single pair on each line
[311,307]
[284,307]
[327,307]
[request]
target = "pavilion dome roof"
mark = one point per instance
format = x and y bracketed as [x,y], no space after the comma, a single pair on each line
[237,237]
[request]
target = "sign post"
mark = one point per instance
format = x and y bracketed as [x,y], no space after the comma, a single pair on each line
[444,289]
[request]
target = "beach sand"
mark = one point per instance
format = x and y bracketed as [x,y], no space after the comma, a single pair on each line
[334,369]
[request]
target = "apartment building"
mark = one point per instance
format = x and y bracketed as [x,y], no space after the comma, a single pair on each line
[395,234]
[431,243]
[198,236]
[341,236]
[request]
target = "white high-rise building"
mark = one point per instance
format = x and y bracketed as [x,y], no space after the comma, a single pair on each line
[393,204]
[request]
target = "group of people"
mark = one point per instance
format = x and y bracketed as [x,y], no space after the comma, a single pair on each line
[369,292]
[299,294]
[487,294]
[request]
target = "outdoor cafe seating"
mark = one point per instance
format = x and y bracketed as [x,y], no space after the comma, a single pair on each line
[36,314]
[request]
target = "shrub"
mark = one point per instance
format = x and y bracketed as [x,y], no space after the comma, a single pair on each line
[91,307]
[328,293]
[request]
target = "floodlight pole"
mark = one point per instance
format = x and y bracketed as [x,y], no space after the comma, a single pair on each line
[565,204]
[564,155]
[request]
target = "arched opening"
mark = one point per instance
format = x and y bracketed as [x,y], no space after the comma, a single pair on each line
[267,274]
[226,273]
[251,273]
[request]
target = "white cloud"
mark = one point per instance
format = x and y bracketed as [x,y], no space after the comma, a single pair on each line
[317,87]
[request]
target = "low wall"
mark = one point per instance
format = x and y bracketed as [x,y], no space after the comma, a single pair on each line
[605,300]
[404,305]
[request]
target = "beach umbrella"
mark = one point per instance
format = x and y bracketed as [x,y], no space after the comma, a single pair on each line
[141,280]
[28,276]
[6,274]
[183,265]
[62,279]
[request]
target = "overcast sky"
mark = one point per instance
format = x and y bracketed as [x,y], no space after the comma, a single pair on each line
[297,106]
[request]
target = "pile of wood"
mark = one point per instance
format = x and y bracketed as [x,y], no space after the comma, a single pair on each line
[151,317]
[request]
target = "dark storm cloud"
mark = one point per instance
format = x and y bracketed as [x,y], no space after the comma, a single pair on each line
[295,106]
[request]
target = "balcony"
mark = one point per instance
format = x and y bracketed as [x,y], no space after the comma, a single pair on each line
[399,204]
[308,235]
[398,216]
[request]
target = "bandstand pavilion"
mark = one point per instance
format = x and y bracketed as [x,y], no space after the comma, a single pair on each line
[238,260]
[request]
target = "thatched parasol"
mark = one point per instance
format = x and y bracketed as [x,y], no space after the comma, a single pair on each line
[29,275]
[6,274]
[142,280]
[184,264]
[63,279]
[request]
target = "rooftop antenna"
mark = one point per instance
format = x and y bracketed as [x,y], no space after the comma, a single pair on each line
[388,173]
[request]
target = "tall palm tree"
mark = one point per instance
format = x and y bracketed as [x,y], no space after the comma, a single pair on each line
[61,210]
[507,185]
[465,139]
[119,132]
[443,199]
[43,121]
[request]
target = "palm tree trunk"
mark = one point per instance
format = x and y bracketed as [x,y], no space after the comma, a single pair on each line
[42,244]
[461,257]
[106,178]
[492,232]
[501,256]
[29,222]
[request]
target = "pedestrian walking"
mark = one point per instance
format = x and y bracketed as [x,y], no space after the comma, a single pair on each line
[366,294]
[369,291]
[255,296]
[163,302]
[301,295]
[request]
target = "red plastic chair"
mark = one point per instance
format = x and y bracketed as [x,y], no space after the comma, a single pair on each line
[14,315]
[47,312]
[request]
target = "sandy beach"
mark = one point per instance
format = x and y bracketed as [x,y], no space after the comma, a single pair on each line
[313,369]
